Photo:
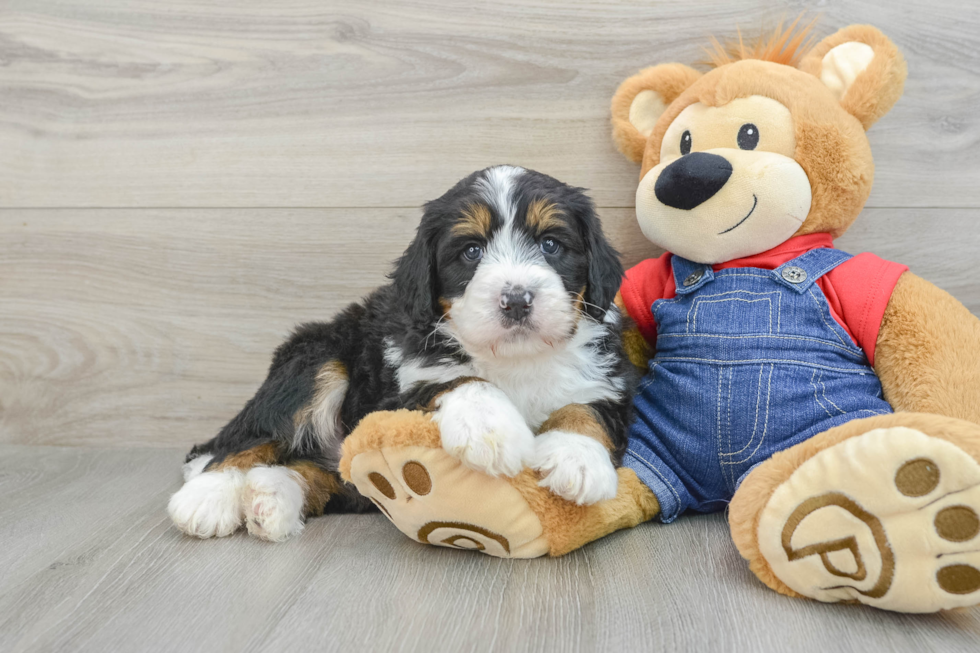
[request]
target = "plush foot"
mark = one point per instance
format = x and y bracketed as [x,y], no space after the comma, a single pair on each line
[396,459]
[209,504]
[575,467]
[273,499]
[890,518]
[482,428]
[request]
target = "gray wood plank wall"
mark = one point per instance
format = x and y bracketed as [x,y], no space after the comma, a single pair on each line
[182,183]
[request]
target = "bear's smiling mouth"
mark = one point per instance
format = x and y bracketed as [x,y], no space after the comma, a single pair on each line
[755,202]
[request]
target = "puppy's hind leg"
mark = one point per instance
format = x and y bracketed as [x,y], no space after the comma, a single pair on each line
[239,474]
[210,502]
[279,499]
[250,487]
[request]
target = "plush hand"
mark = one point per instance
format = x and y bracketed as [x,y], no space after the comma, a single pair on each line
[397,460]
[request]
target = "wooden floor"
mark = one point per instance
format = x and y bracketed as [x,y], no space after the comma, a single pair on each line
[182,182]
[91,563]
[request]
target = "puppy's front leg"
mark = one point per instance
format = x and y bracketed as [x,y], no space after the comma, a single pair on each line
[482,427]
[573,451]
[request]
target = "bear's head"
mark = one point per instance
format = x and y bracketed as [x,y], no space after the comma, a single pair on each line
[740,159]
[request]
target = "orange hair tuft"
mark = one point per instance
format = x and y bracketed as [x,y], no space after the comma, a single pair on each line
[783,46]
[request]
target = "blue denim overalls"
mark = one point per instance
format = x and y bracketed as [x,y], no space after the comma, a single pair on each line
[749,362]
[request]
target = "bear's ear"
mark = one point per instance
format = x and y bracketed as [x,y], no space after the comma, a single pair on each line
[862,67]
[640,101]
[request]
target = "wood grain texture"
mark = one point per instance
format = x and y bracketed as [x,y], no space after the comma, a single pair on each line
[332,103]
[91,563]
[153,327]
[130,332]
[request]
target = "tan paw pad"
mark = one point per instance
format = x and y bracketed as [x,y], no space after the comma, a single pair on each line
[434,499]
[888,518]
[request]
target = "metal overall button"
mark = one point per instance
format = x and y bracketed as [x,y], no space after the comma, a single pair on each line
[793,274]
[693,278]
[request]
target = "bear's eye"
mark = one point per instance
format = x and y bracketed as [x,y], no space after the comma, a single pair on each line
[686,142]
[748,136]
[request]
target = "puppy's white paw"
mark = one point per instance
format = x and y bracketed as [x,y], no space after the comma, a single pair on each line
[274,499]
[209,504]
[575,467]
[481,427]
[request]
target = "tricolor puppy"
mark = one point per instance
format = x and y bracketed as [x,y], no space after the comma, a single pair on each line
[499,320]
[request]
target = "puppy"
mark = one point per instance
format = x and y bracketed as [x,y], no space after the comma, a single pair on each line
[499,320]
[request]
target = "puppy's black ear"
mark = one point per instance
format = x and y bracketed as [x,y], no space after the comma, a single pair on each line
[605,269]
[414,278]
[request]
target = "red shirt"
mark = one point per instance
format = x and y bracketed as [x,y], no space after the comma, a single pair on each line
[857,290]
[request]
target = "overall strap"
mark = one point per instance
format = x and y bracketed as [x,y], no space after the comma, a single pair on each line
[804,270]
[688,275]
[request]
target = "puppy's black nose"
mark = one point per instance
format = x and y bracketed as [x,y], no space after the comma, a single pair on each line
[515,303]
[692,180]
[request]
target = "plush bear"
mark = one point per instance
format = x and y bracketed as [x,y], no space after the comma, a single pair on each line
[830,402]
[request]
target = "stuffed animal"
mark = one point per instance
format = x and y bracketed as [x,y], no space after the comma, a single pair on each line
[396,459]
[830,402]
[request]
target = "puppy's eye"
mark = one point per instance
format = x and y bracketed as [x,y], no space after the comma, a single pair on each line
[473,252]
[550,246]
[686,142]
[748,136]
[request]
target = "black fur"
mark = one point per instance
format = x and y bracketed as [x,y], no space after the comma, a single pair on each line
[403,313]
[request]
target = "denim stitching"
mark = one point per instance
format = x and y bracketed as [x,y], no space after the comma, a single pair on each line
[755,428]
[733,299]
[833,263]
[756,361]
[845,348]
[765,425]
[823,387]
[662,477]
[740,291]
[816,398]
[721,375]
[731,377]
[823,319]
[832,355]
[648,383]
[726,273]
[703,299]
[779,313]
[721,456]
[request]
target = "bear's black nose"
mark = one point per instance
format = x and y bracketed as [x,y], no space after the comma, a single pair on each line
[692,180]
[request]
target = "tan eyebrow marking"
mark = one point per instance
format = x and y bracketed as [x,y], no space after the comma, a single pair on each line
[543,215]
[475,222]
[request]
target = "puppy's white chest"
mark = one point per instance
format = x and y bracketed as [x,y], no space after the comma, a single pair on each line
[531,398]
[538,387]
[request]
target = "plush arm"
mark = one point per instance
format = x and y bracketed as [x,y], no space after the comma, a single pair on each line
[928,352]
